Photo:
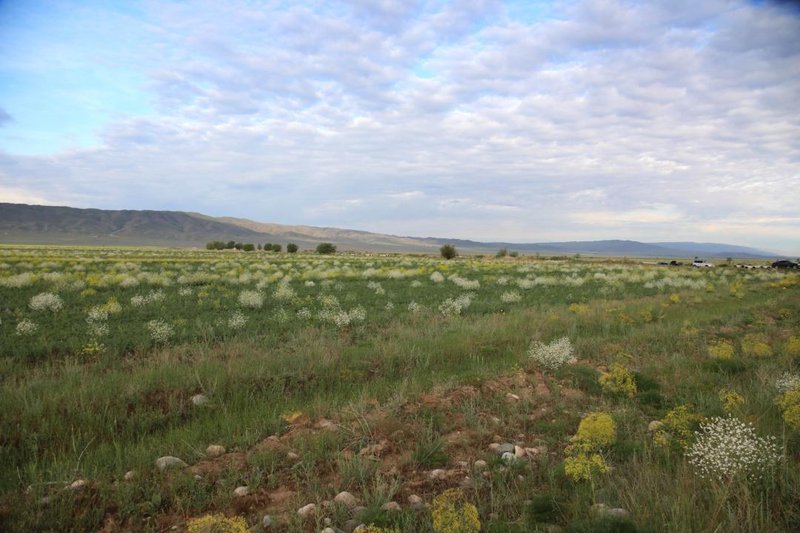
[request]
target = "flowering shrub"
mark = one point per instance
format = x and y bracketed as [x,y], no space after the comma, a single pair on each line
[618,381]
[730,399]
[437,277]
[677,428]
[789,403]
[727,448]
[584,459]
[756,346]
[721,350]
[217,523]
[792,347]
[452,513]
[552,356]
[46,301]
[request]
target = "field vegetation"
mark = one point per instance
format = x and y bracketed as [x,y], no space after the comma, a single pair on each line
[150,389]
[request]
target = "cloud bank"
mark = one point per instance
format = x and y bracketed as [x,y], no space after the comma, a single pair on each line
[516,121]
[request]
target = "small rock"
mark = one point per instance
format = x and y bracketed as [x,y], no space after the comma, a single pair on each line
[438,474]
[168,461]
[292,456]
[346,499]
[350,525]
[495,420]
[198,477]
[199,399]
[327,425]
[78,484]
[130,475]
[512,397]
[328,530]
[390,507]
[215,450]
[506,447]
[602,509]
[327,521]
[358,511]
[480,464]
[509,457]
[493,447]
[519,452]
[266,521]
[241,491]
[415,501]
[307,510]
[655,425]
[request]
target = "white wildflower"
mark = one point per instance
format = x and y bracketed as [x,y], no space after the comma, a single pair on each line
[237,320]
[304,313]
[437,277]
[284,291]
[185,291]
[726,448]
[251,299]
[553,355]
[416,283]
[160,331]
[510,297]
[46,301]
[389,306]
[455,306]
[26,327]
[413,307]
[787,382]
[138,300]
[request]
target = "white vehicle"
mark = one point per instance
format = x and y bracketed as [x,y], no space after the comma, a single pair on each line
[701,263]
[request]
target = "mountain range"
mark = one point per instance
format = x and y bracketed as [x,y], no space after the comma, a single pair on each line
[36,224]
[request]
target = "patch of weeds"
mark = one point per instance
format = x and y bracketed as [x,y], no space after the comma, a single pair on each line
[653,401]
[356,471]
[544,508]
[644,382]
[727,367]
[602,525]
[582,377]
[190,495]
[429,450]
[265,465]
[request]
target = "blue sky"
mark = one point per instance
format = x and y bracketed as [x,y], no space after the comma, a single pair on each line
[516,121]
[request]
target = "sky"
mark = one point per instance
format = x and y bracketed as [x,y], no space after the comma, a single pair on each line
[516,121]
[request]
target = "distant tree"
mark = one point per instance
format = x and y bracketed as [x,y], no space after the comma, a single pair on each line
[268,246]
[230,245]
[326,248]
[291,248]
[448,251]
[513,253]
[238,245]
[502,252]
[249,247]
[276,248]
[215,245]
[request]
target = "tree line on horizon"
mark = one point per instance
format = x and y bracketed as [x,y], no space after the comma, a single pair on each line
[322,248]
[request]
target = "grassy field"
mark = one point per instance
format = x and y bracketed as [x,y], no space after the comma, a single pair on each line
[630,397]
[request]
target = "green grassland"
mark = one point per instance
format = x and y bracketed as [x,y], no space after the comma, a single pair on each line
[390,376]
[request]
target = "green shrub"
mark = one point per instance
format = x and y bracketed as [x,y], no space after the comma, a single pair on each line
[291,248]
[326,248]
[448,251]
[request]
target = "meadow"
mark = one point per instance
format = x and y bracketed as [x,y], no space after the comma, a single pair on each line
[513,394]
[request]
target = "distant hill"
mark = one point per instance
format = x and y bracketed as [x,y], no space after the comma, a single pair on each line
[34,224]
